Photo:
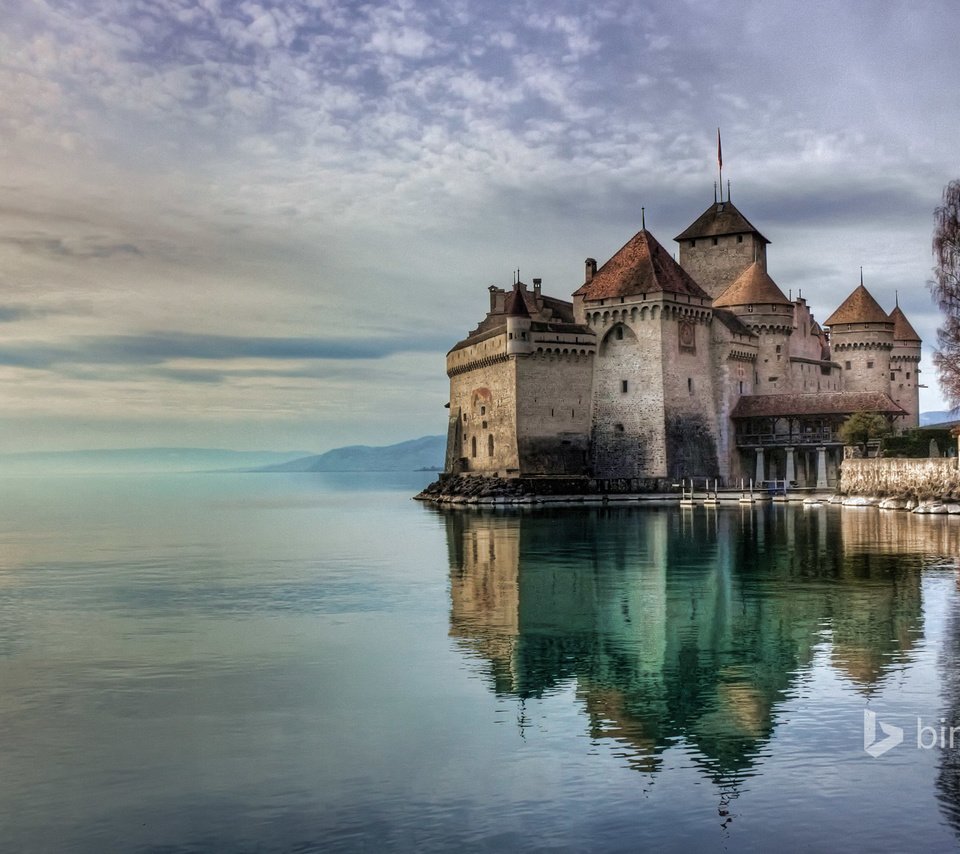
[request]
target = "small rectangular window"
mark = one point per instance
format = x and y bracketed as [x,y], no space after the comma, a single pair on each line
[869,364]
[716,240]
[739,238]
[690,384]
[846,366]
[623,386]
[908,374]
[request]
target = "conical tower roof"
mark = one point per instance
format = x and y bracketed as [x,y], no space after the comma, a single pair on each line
[640,266]
[859,307]
[516,305]
[719,219]
[902,330]
[752,287]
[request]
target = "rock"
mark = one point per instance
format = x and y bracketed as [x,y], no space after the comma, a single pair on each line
[893,504]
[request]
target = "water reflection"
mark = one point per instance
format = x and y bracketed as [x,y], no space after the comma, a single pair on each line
[687,627]
[948,780]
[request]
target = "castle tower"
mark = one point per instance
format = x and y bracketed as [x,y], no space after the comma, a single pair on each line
[905,367]
[760,305]
[861,340]
[719,246]
[518,323]
[653,414]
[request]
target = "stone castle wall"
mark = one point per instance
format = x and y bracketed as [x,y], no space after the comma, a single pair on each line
[931,478]
[628,421]
[554,393]
[715,265]
[690,428]
[483,409]
[905,381]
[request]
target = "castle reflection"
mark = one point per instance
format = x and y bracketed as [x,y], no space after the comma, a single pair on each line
[687,625]
[948,780]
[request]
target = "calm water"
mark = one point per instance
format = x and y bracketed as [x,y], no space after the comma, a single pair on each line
[309,662]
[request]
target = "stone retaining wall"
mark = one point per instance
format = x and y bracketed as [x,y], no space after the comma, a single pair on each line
[923,479]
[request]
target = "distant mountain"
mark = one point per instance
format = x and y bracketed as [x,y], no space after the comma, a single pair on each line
[139,460]
[937,416]
[416,454]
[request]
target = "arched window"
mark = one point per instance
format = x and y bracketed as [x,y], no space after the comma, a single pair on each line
[490,445]
[473,445]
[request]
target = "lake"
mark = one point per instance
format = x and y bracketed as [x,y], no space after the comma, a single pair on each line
[312,662]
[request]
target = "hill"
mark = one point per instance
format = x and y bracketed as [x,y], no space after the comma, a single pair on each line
[138,460]
[426,452]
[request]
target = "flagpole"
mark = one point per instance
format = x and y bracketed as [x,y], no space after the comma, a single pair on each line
[720,163]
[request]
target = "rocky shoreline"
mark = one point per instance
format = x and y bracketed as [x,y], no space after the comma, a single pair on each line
[942,506]
[492,491]
[460,489]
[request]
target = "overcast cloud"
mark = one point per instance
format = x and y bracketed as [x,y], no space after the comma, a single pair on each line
[252,224]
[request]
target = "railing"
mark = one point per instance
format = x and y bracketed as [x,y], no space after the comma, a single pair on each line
[785,440]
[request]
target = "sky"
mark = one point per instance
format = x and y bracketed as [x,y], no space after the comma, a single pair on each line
[262,225]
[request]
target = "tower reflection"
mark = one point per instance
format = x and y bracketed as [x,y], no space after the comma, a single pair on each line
[684,626]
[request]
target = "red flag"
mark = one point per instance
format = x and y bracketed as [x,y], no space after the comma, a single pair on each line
[719,151]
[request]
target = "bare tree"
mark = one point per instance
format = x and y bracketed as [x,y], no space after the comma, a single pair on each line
[946,290]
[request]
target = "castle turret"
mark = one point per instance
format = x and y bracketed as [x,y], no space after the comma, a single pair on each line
[760,304]
[518,323]
[719,246]
[905,367]
[861,339]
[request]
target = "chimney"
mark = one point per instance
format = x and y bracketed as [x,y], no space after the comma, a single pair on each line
[590,269]
[536,287]
[493,297]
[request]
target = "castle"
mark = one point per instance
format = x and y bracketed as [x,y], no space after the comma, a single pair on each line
[660,370]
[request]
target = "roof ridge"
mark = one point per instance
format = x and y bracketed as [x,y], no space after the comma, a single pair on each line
[641,265]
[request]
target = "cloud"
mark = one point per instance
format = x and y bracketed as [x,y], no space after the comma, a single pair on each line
[91,247]
[226,181]
[157,348]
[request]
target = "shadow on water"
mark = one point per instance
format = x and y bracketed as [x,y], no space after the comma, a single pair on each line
[685,627]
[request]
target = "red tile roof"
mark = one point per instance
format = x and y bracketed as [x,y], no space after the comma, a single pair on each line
[752,287]
[859,307]
[902,330]
[641,266]
[821,403]
[516,305]
[719,219]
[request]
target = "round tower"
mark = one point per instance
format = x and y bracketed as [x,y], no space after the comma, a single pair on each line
[760,304]
[518,323]
[861,340]
[905,367]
